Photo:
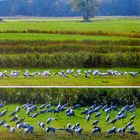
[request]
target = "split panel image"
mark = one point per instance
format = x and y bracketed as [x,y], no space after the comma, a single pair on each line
[68,113]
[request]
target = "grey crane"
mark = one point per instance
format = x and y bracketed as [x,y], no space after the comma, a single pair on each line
[95,122]
[12,113]
[41,124]
[69,130]
[112,121]
[20,121]
[17,109]
[2,122]
[131,128]
[35,115]
[51,129]
[28,129]
[6,126]
[14,119]
[135,133]
[19,126]
[96,130]
[130,123]
[98,115]
[3,113]
[85,111]
[111,131]
[122,131]
[78,131]
[50,120]
[108,117]
[2,104]
[132,117]
[12,130]
[43,106]
[69,125]
[88,117]
[70,113]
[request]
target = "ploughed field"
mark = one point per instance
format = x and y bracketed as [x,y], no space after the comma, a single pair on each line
[70,43]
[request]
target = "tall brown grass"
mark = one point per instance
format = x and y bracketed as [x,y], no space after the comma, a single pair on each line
[52,48]
[128,42]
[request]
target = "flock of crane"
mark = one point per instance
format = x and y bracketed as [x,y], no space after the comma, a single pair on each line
[66,73]
[95,111]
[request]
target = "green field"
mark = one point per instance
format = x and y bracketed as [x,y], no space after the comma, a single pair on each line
[59,37]
[70,43]
[64,120]
[86,97]
[111,25]
[123,80]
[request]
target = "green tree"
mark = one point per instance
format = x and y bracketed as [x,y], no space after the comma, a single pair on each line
[87,7]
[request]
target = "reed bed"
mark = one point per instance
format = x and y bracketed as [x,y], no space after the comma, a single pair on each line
[72,96]
[67,48]
[75,59]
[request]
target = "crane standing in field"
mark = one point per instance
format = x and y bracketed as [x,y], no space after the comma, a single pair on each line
[91,112]
[67,73]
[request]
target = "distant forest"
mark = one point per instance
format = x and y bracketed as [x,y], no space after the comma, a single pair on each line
[63,8]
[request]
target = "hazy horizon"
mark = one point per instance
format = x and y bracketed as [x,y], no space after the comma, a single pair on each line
[63,8]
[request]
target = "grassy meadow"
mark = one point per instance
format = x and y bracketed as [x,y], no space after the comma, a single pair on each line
[109,25]
[86,97]
[70,43]
[76,81]
[63,121]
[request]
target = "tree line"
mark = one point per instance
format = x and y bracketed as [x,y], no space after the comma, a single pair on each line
[66,8]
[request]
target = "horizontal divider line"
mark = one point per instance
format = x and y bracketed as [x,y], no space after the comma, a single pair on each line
[69,86]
